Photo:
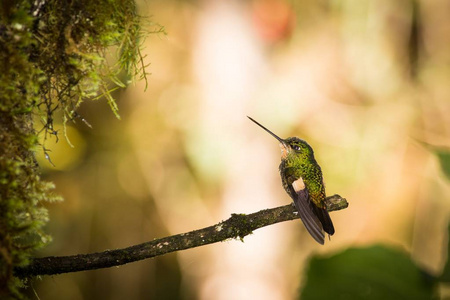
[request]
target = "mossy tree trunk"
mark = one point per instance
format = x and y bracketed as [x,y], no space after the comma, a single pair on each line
[51,59]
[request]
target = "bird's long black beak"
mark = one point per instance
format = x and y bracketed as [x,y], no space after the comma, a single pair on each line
[273,134]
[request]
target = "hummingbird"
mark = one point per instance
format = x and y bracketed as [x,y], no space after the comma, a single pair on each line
[302,179]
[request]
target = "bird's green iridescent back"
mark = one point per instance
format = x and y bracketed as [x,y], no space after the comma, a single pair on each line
[302,164]
[293,167]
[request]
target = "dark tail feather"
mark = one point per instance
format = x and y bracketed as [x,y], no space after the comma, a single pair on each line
[325,219]
[309,219]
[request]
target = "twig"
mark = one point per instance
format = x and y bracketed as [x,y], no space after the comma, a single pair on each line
[237,226]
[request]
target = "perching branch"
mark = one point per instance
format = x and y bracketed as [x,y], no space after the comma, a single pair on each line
[238,226]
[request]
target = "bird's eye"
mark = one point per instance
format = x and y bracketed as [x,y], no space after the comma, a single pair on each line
[296,147]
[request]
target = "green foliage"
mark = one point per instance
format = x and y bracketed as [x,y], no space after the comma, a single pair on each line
[53,55]
[375,272]
[444,160]
[445,276]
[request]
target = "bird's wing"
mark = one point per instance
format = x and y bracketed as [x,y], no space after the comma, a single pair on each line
[306,211]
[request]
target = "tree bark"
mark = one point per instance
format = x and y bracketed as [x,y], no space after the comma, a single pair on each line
[237,226]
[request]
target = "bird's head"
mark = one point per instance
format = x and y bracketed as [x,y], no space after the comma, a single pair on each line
[295,147]
[291,147]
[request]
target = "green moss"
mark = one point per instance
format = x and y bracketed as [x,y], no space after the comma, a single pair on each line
[240,226]
[52,57]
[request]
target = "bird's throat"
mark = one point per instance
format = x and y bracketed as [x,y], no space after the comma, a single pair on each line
[284,151]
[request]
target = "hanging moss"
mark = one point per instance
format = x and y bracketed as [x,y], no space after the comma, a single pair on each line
[52,57]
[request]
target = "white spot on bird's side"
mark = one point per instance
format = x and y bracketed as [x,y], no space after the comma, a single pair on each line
[298,185]
[219,228]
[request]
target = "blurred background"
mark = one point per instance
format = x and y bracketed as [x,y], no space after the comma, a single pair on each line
[366,83]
